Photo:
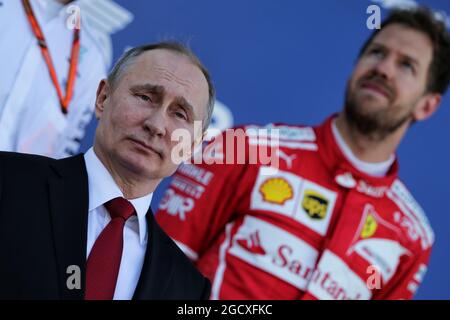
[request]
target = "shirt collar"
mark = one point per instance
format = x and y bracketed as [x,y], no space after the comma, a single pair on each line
[103,188]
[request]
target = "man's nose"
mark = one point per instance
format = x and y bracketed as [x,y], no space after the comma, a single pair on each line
[156,122]
[385,68]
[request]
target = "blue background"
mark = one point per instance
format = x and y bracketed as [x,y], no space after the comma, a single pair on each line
[288,61]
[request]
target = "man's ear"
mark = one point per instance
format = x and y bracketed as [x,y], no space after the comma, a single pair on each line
[427,106]
[103,92]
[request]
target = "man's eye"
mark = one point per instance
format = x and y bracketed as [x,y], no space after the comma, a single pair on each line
[181,115]
[376,52]
[407,65]
[143,97]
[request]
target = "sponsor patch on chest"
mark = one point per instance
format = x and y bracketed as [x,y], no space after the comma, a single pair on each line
[274,251]
[293,196]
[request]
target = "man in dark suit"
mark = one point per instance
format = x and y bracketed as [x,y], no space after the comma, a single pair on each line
[80,228]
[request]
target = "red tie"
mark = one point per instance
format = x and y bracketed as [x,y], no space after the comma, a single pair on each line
[104,260]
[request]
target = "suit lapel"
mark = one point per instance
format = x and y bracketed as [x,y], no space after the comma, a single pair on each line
[158,266]
[69,208]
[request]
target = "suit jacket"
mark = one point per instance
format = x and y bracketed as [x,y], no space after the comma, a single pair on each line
[43,232]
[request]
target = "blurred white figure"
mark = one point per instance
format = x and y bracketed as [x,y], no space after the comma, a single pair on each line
[34,117]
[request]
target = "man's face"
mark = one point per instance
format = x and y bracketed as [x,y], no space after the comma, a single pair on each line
[160,92]
[389,81]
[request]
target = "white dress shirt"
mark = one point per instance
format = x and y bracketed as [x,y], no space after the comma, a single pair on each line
[103,188]
[377,169]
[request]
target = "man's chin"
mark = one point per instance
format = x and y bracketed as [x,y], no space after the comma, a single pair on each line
[138,164]
[369,107]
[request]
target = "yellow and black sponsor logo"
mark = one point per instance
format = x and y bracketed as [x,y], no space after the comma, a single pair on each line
[315,204]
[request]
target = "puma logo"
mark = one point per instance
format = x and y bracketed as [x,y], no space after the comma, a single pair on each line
[286,157]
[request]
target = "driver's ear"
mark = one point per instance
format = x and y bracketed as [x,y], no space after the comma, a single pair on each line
[427,106]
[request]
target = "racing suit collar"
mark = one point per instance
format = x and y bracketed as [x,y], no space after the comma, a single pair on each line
[345,173]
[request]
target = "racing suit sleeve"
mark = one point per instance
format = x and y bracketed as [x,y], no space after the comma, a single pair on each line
[201,200]
[407,279]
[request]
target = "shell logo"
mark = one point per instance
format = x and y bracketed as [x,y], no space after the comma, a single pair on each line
[370,226]
[276,190]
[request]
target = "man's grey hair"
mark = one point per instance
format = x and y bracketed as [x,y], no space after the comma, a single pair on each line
[129,57]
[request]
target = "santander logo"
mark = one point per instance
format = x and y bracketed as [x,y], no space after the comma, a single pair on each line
[274,251]
[283,257]
[252,243]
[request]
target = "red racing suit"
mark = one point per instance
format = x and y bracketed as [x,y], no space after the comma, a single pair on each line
[316,229]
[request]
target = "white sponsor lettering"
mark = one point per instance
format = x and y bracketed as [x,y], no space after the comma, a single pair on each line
[420,273]
[196,173]
[383,253]
[285,144]
[191,189]
[275,251]
[334,280]
[413,285]
[376,192]
[289,133]
[407,224]
[400,195]
[176,205]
